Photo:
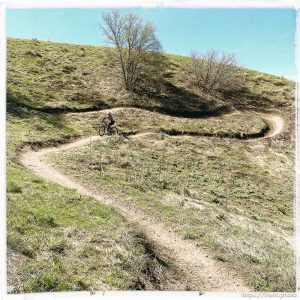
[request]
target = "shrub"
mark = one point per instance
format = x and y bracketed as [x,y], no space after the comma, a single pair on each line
[214,72]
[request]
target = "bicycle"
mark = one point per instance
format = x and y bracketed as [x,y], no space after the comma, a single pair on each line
[104,128]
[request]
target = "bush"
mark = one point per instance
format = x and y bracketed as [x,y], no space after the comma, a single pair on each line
[214,72]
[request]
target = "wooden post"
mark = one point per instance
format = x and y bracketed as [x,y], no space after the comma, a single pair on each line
[101,167]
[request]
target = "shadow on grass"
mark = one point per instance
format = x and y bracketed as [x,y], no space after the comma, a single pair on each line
[16,101]
[174,101]
[235,135]
[246,99]
[24,108]
[179,102]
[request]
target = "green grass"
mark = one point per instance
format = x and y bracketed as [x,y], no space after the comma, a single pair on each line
[67,240]
[59,240]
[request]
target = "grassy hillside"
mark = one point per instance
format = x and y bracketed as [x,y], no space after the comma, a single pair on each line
[233,197]
[49,75]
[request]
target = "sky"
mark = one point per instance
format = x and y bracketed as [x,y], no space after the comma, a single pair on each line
[262,39]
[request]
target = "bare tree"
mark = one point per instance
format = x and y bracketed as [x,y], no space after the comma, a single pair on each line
[214,72]
[136,45]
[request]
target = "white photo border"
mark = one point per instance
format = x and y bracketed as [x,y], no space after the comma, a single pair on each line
[10,4]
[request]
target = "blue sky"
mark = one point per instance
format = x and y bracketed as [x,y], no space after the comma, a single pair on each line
[263,39]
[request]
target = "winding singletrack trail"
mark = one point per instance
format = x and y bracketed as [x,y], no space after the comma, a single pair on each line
[202,272]
[275,123]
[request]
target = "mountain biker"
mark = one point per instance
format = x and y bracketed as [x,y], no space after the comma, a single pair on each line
[111,121]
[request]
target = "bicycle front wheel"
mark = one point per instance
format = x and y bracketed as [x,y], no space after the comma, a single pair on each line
[101,130]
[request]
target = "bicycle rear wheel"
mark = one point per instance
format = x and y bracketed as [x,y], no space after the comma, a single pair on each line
[101,130]
[114,131]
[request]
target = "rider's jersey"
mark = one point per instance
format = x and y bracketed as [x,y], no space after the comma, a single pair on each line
[111,120]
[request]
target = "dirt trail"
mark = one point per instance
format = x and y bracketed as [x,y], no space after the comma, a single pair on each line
[201,271]
[275,123]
